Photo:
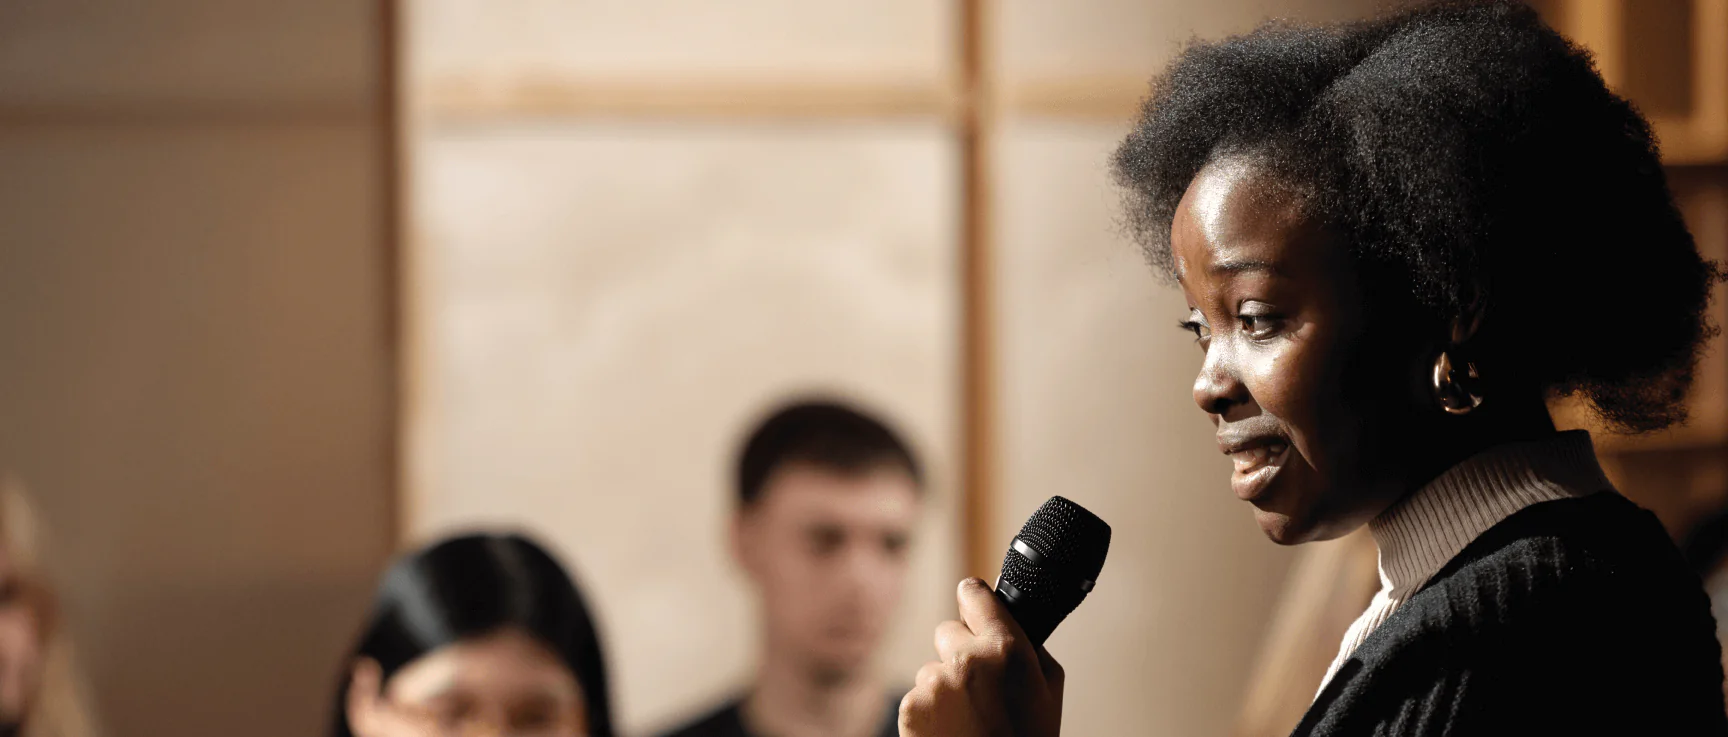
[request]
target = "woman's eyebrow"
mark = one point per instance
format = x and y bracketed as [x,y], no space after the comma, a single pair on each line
[1238,266]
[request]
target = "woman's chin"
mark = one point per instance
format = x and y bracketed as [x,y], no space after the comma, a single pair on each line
[1281,528]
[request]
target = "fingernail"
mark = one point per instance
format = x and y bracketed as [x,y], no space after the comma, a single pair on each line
[972,582]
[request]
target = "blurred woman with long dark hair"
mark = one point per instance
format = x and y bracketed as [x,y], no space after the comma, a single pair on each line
[482,630]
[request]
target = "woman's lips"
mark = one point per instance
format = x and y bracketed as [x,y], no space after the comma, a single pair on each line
[1255,467]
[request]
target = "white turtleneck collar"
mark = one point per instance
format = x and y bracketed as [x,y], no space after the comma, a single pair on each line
[1419,534]
[1422,532]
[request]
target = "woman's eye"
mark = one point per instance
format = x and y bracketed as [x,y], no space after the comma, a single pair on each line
[1199,329]
[1260,326]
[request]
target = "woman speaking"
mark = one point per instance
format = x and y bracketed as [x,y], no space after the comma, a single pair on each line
[1398,239]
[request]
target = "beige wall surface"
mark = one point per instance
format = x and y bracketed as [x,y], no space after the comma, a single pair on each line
[195,363]
[601,308]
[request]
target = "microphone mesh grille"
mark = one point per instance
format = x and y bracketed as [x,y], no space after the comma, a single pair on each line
[1069,537]
[1033,581]
[1073,543]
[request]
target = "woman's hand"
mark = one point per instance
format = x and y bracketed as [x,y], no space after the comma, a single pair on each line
[990,682]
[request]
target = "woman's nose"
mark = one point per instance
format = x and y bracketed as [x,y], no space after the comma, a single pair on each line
[1218,387]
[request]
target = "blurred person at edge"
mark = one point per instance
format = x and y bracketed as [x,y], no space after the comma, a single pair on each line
[41,690]
[481,634]
[1398,239]
[827,497]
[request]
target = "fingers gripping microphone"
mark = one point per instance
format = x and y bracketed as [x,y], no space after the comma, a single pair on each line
[1051,566]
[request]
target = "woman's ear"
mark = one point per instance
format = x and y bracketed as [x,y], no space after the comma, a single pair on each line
[365,697]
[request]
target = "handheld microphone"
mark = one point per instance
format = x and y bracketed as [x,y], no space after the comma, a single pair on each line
[1052,565]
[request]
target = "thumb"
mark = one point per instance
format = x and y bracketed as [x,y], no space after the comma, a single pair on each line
[986,615]
[990,621]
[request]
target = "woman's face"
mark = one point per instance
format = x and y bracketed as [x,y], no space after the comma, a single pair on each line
[1304,399]
[502,684]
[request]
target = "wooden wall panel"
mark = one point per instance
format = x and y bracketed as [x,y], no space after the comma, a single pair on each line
[177,57]
[196,382]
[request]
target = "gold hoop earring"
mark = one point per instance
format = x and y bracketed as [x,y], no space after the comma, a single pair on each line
[1454,392]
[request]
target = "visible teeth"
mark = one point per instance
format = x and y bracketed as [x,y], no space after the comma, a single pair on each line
[1247,460]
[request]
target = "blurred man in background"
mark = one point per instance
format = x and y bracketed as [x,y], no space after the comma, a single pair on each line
[827,499]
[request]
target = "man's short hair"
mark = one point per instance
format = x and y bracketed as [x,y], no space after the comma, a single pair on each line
[825,433]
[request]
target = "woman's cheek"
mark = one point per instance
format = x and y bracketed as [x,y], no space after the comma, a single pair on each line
[1280,381]
[1307,403]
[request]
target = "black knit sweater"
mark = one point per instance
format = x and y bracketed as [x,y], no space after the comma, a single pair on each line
[1570,617]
